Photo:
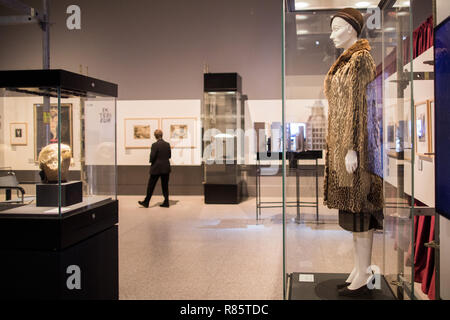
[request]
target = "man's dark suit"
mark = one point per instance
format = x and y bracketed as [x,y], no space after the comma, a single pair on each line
[159,158]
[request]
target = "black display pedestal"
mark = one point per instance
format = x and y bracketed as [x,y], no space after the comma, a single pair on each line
[47,194]
[222,193]
[74,256]
[324,288]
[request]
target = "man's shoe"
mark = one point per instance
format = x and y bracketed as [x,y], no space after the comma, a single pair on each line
[164,205]
[143,203]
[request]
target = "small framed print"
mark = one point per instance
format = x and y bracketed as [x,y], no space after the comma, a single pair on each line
[422,128]
[139,132]
[46,129]
[431,113]
[391,135]
[18,133]
[180,132]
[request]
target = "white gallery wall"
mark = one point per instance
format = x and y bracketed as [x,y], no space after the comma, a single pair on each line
[100,134]
[100,131]
[160,109]
[423,169]
[423,166]
[21,109]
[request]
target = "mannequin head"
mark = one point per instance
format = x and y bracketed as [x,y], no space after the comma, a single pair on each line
[342,33]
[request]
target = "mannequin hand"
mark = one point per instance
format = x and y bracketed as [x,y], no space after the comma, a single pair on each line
[351,161]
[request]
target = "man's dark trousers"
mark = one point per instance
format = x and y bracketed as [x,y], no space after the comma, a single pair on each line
[164,185]
[159,158]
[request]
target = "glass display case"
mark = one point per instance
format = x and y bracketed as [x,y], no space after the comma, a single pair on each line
[58,179]
[223,137]
[369,61]
[58,142]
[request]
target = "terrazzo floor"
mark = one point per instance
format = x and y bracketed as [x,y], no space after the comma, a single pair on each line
[200,252]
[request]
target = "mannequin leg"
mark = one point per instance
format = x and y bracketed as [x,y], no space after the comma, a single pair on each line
[355,259]
[363,254]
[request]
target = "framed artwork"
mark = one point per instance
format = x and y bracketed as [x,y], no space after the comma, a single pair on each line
[180,132]
[408,130]
[139,132]
[391,135]
[18,133]
[431,112]
[46,126]
[422,128]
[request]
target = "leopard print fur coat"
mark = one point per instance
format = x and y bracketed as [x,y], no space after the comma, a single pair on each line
[345,89]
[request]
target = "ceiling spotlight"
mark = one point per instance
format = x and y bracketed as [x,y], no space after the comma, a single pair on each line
[362,4]
[317,43]
[402,4]
[302,32]
[301,5]
[301,17]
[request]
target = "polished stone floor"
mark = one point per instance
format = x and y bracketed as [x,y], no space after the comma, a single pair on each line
[197,251]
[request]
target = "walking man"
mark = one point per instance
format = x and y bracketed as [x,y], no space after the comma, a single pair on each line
[160,168]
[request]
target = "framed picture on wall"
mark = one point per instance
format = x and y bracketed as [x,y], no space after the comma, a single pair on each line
[18,133]
[139,132]
[431,113]
[180,132]
[391,135]
[46,126]
[422,128]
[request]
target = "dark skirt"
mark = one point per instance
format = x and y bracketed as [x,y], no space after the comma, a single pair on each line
[362,221]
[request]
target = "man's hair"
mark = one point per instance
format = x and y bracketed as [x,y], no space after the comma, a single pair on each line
[158,134]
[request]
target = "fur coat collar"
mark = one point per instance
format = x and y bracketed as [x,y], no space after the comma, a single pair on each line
[359,45]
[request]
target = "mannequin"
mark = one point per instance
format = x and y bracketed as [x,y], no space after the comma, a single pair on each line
[348,183]
[344,36]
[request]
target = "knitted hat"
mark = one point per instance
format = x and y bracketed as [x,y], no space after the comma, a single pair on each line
[353,17]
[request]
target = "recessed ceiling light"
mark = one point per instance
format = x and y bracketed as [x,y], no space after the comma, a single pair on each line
[301,17]
[301,5]
[362,4]
[402,4]
[301,32]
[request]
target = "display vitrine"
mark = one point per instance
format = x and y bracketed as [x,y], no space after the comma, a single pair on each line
[223,136]
[374,86]
[58,179]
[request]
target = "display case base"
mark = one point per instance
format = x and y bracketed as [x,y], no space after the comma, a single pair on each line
[47,194]
[222,193]
[323,287]
[67,257]
[88,270]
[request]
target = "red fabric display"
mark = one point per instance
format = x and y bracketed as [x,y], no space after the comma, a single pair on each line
[423,38]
